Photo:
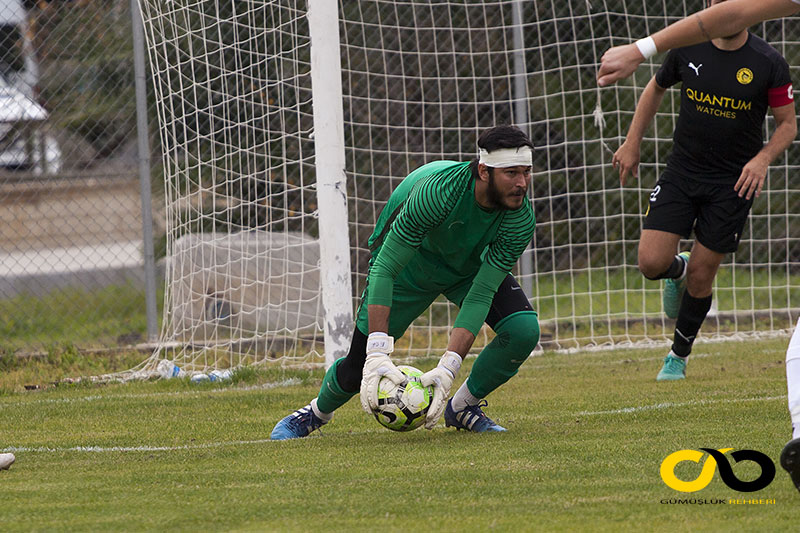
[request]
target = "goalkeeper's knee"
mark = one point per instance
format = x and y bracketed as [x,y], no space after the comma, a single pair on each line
[518,334]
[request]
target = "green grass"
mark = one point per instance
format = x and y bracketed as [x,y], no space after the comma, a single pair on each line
[61,362]
[89,318]
[176,456]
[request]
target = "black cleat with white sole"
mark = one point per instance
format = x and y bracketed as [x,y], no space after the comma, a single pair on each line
[790,460]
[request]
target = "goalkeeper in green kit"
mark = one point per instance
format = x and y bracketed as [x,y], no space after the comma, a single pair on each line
[449,228]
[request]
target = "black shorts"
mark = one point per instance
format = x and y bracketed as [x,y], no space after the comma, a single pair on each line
[715,211]
[509,299]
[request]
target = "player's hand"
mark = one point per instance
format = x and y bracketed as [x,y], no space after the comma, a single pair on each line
[626,159]
[751,181]
[441,378]
[377,365]
[618,63]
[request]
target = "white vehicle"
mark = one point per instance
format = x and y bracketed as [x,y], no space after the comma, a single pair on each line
[23,143]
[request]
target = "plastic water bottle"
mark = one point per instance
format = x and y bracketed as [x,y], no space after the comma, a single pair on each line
[199,378]
[220,375]
[168,370]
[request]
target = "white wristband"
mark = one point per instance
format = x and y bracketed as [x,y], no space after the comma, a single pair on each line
[379,342]
[647,47]
[451,362]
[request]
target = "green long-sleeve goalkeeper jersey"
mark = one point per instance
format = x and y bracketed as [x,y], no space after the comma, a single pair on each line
[433,217]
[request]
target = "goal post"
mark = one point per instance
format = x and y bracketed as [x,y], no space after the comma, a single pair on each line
[334,241]
[286,124]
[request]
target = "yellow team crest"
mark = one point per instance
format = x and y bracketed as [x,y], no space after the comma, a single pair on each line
[744,76]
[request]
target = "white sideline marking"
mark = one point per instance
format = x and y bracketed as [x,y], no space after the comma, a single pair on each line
[100,449]
[120,449]
[605,362]
[669,405]
[124,449]
[266,386]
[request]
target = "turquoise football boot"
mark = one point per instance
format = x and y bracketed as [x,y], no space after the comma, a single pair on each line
[673,291]
[674,368]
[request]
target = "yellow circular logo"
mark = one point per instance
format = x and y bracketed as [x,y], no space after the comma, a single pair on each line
[671,461]
[744,76]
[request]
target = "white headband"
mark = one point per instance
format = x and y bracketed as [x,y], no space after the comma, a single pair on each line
[506,157]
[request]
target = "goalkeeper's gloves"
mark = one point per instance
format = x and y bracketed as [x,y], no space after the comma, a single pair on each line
[377,365]
[441,378]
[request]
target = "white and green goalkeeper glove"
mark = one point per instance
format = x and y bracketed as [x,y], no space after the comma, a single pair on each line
[441,378]
[377,365]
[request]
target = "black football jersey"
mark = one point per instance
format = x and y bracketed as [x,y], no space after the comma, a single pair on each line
[724,100]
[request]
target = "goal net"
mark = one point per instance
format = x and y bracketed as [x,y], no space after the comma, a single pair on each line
[248,154]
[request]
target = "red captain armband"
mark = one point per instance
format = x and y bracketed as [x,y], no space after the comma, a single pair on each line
[780,96]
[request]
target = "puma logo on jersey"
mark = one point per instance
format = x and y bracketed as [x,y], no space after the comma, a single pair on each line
[695,68]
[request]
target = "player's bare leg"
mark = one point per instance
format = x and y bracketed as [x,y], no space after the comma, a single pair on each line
[694,306]
[657,255]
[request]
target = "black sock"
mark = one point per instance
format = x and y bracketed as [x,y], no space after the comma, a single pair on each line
[675,269]
[691,315]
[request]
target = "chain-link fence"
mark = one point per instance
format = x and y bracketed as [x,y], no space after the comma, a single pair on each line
[71,224]
[420,79]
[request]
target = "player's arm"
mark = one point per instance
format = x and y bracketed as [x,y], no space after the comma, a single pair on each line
[425,209]
[475,307]
[626,158]
[470,318]
[461,340]
[717,21]
[393,256]
[751,181]
[512,238]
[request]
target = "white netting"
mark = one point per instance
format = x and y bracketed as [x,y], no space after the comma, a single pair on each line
[420,80]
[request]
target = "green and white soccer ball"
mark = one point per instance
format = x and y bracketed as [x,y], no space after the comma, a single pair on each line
[403,407]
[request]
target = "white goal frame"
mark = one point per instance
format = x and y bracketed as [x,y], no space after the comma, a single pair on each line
[394,85]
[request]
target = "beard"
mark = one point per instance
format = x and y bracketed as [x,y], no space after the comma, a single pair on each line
[497,198]
[493,194]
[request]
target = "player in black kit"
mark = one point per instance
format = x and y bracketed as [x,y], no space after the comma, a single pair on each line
[716,169]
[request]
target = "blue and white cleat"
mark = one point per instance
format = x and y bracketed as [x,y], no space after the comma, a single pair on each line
[471,419]
[790,461]
[296,425]
[673,291]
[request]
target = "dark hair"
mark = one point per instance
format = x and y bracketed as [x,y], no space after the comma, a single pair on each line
[503,136]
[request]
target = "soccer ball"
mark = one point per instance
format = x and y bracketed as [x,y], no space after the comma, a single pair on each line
[403,407]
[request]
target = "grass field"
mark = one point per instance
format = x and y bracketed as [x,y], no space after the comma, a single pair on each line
[587,434]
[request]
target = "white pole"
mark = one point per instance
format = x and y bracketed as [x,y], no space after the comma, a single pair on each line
[334,238]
